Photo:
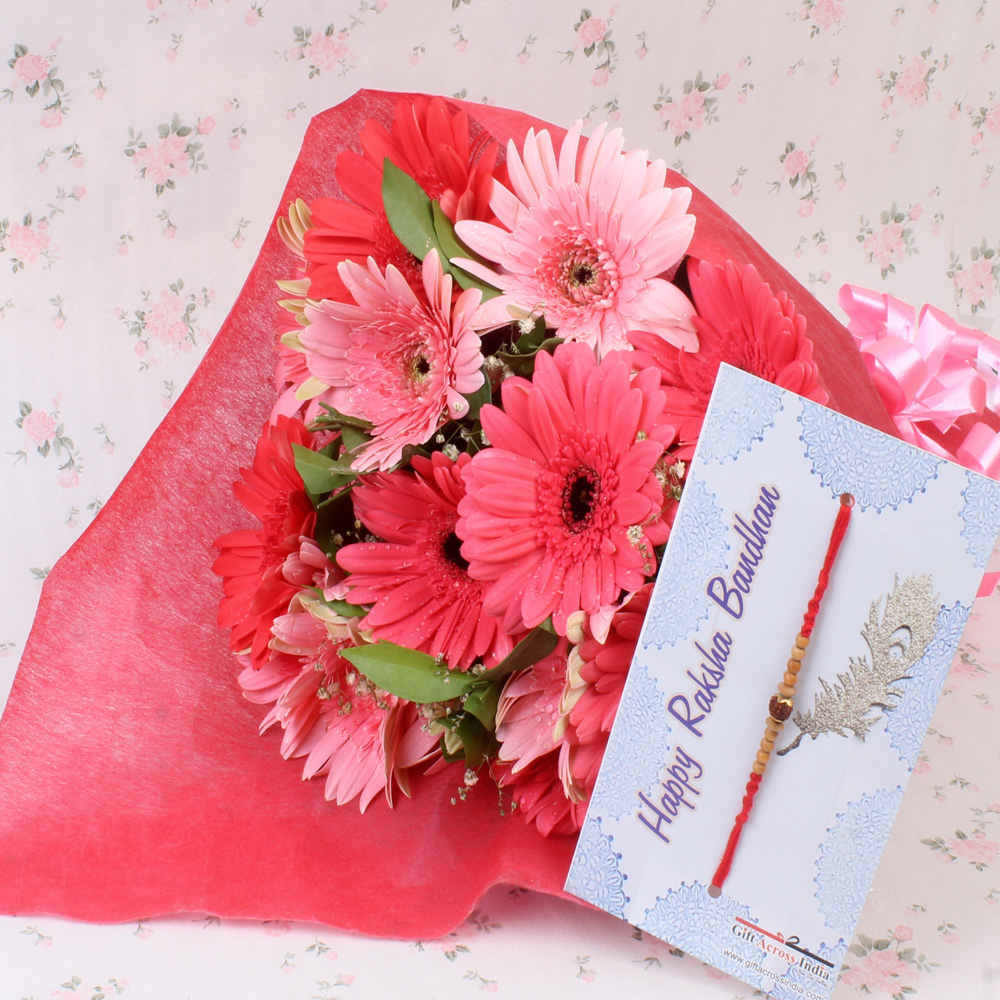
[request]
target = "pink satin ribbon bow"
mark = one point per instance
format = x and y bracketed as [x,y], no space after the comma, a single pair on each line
[939,380]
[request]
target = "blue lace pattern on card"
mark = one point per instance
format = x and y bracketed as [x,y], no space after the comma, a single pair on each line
[850,854]
[679,603]
[907,721]
[596,874]
[981,517]
[638,752]
[851,458]
[739,417]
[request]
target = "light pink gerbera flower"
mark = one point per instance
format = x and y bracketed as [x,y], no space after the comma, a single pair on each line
[560,514]
[363,741]
[553,721]
[585,240]
[416,578]
[532,759]
[400,363]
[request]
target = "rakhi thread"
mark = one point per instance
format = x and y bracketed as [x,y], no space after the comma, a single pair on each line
[780,706]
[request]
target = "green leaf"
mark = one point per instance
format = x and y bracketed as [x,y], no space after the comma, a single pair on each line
[319,472]
[535,646]
[334,418]
[352,438]
[409,674]
[449,245]
[482,703]
[478,743]
[408,210]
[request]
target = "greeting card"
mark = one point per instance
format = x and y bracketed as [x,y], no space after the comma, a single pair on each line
[740,566]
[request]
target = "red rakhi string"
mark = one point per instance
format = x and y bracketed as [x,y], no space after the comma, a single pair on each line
[780,706]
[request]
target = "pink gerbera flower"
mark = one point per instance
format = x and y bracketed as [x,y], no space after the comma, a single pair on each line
[585,240]
[400,362]
[416,578]
[739,321]
[553,721]
[531,759]
[559,515]
[433,145]
[361,739]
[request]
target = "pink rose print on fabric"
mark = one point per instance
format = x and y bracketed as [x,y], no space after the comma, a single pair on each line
[591,31]
[172,154]
[912,82]
[39,426]
[25,241]
[38,75]
[593,37]
[889,966]
[882,972]
[46,435]
[976,280]
[796,163]
[798,168]
[330,49]
[889,242]
[31,67]
[327,52]
[976,849]
[696,107]
[826,14]
[167,320]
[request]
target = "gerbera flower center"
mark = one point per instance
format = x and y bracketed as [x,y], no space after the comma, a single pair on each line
[451,547]
[580,495]
[579,271]
[420,367]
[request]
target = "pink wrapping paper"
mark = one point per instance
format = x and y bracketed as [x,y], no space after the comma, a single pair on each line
[132,779]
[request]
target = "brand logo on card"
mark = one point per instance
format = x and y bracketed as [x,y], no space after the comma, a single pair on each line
[789,949]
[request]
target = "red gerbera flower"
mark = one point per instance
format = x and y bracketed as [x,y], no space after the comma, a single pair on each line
[429,142]
[562,512]
[417,578]
[739,321]
[250,562]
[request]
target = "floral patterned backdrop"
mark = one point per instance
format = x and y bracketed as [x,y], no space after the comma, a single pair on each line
[147,142]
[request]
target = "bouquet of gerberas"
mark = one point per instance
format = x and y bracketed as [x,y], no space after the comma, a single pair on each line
[498,372]
[478,425]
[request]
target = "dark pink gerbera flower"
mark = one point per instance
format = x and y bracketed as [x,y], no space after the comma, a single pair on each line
[739,321]
[558,514]
[416,578]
